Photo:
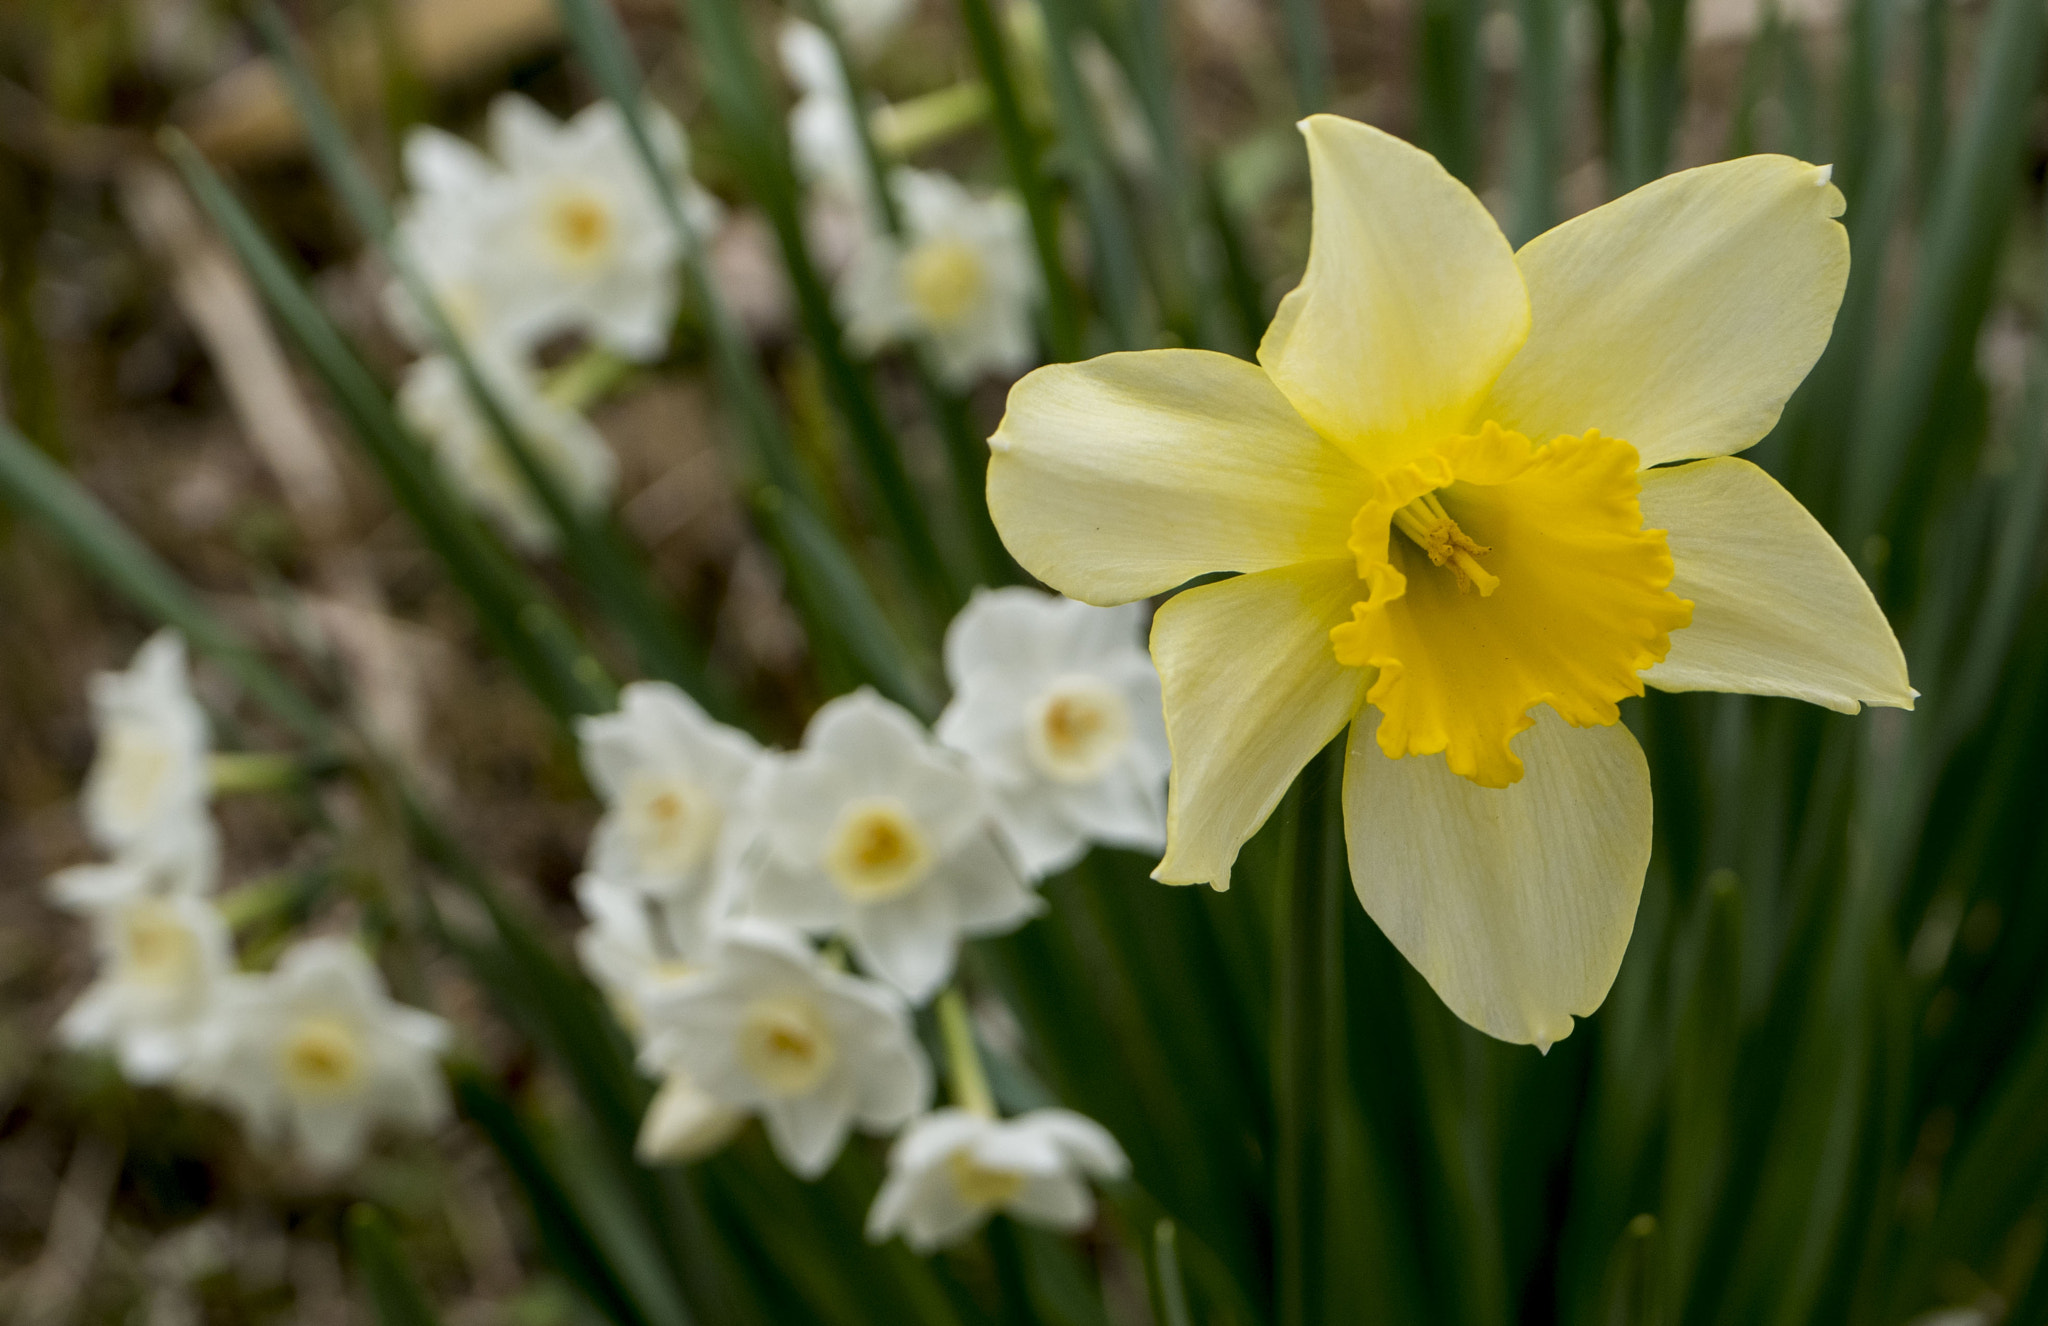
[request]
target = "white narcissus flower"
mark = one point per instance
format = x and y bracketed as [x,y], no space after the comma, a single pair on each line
[636,944]
[162,962]
[315,1054]
[771,1029]
[961,279]
[874,832]
[585,233]
[147,791]
[951,1170]
[435,402]
[670,778]
[1056,704]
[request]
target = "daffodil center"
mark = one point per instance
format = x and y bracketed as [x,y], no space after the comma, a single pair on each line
[978,1185]
[672,822]
[1571,606]
[322,1057]
[579,226]
[944,278]
[1076,729]
[161,949]
[876,850]
[785,1044]
[1431,529]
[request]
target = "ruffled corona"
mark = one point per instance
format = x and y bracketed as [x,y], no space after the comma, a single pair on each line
[1502,575]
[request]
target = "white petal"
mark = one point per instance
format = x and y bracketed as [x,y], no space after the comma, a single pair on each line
[1777,607]
[1514,903]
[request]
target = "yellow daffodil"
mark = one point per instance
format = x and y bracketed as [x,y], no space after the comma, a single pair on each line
[1450,488]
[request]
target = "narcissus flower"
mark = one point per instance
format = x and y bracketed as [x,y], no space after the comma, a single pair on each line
[961,279]
[875,832]
[1056,705]
[315,1055]
[162,961]
[952,1169]
[145,797]
[670,778]
[1452,485]
[770,1028]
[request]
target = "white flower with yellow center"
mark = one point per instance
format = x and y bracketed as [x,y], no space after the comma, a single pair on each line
[771,1029]
[585,235]
[874,832]
[671,780]
[436,404]
[1451,485]
[162,962]
[951,1170]
[961,280]
[1056,705]
[315,1055]
[146,794]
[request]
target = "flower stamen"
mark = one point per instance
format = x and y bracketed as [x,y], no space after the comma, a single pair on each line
[1425,521]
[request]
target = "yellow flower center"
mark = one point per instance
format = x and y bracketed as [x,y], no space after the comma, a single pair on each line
[579,225]
[978,1185]
[1571,601]
[944,278]
[785,1044]
[876,850]
[161,949]
[673,823]
[322,1058]
[1077,729]
[138,764]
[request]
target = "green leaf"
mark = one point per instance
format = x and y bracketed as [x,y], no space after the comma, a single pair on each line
[381,1268]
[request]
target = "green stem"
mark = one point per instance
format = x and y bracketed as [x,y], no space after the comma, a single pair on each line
[965,1075]
[1301,1043]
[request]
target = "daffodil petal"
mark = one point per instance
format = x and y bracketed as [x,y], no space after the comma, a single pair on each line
[1515,904]
[1777,607]
[1680,317]
[1411,304]
[1129,474]
[1252,691]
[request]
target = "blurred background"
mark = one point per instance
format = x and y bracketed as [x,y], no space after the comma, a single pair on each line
[1819,1091]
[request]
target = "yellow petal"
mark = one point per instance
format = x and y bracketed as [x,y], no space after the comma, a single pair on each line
[1681,315]
[1251,691]
[1578,607]
[1514,904]
[1129,474]
[1777,607]
[1411,303]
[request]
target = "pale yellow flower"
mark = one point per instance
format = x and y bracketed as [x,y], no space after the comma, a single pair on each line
[1449,485]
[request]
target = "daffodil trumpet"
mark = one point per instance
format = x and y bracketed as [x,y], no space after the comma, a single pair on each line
[1474,498]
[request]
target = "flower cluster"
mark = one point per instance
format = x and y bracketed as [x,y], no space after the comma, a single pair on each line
[717,862]
[954,275]
[559,232]
[312,1055]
